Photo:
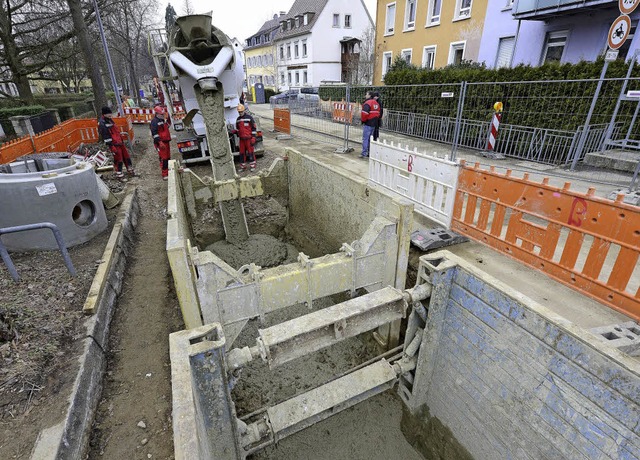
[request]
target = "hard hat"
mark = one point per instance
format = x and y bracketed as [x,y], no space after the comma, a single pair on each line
[158,109]
[240,108]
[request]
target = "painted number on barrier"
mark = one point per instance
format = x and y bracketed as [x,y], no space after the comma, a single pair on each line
[410,163]
[578,209]
[46,189]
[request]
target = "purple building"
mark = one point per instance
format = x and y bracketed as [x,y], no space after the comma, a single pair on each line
[537,31]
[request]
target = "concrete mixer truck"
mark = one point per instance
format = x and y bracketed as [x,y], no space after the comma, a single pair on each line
[194,49]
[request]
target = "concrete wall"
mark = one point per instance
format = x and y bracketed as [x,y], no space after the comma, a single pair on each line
[512,380]
[337,208]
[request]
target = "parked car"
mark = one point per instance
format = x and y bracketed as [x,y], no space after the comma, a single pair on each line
[284,98]
[309,94]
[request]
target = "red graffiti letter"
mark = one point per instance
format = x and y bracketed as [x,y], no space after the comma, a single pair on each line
[578,208]
[410,163]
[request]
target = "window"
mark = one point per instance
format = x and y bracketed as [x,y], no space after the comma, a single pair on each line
[296,50]
[282,78]
[304,48]
[505,52]
[281,52]
[456,53]
[463,9]
[390,20]
[259,61]
[429,57]
[554,46]
[433,13]
[386,62]
[297,78]
[304,77]
[297,21]
[410,15]
[406,55]
[347,21]
[336,20]
[288,50]
[289,77]
[305,19]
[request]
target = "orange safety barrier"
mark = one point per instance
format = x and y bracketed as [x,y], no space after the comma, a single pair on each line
[142,116]
[282,120]
[61,138]
[588,243]
[343,112]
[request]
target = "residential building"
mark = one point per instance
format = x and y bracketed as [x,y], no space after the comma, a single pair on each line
[311,38]
[427,33]
[537,31]
[260,55]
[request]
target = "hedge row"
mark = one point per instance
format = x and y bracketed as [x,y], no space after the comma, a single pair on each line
[547,96]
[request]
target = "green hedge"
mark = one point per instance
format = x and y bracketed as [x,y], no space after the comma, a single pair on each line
[529,95]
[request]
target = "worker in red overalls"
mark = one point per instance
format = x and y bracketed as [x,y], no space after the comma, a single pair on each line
[161,138]
[246,131]
[111,136]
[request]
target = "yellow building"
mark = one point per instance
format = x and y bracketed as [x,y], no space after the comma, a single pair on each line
[427,33]
[260,56]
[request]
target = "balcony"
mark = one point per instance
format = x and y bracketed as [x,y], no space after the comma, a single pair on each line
[545,9]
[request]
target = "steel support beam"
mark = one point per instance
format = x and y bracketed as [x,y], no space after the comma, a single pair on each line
[301,336]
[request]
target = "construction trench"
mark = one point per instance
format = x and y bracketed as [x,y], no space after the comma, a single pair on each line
[305,311]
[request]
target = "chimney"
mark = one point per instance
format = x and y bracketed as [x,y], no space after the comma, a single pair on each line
[275,16]
[283,13]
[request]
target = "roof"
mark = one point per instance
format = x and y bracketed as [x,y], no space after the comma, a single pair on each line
[298,8]
[267,27]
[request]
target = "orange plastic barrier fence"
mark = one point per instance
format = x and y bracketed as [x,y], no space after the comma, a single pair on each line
[61,138]
[282,120]
[142,116]
[588,243]
[342,112]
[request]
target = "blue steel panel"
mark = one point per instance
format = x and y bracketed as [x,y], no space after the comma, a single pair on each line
[500,323]
[581,353]
[524,392]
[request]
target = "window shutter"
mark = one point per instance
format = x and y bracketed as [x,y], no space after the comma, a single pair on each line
[505,52]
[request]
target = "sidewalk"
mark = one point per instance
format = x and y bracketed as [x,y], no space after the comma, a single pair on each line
[575,307]
[326,132]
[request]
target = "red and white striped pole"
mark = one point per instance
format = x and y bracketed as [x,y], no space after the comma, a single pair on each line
[495,125]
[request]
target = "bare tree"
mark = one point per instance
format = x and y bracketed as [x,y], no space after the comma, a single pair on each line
[80,28]
[187,7]
[360,66]
[29,31]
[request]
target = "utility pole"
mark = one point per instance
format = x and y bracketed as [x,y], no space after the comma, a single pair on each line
[108,57]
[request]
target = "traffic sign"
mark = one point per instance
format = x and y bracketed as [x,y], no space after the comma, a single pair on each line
[628,6]
[619,31]
[611,55]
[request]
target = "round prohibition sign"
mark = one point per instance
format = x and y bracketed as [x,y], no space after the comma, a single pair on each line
[619,31]
[628,6]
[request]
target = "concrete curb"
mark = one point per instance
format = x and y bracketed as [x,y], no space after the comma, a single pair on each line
[69,439]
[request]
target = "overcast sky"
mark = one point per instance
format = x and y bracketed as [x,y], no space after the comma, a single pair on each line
[242,18]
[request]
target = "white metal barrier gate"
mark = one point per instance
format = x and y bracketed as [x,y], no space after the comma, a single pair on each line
[428,181]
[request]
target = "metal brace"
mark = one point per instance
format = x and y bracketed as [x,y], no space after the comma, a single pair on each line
[304,260]
[254,272]
[351,252]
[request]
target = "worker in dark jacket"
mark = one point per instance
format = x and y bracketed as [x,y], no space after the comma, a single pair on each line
[161,138]
[246,130]
[111,136]
[370,116]
[376,132]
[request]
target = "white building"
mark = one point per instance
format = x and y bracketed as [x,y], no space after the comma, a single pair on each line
[308,42]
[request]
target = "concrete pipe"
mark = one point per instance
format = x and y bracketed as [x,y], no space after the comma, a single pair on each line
[55,191]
